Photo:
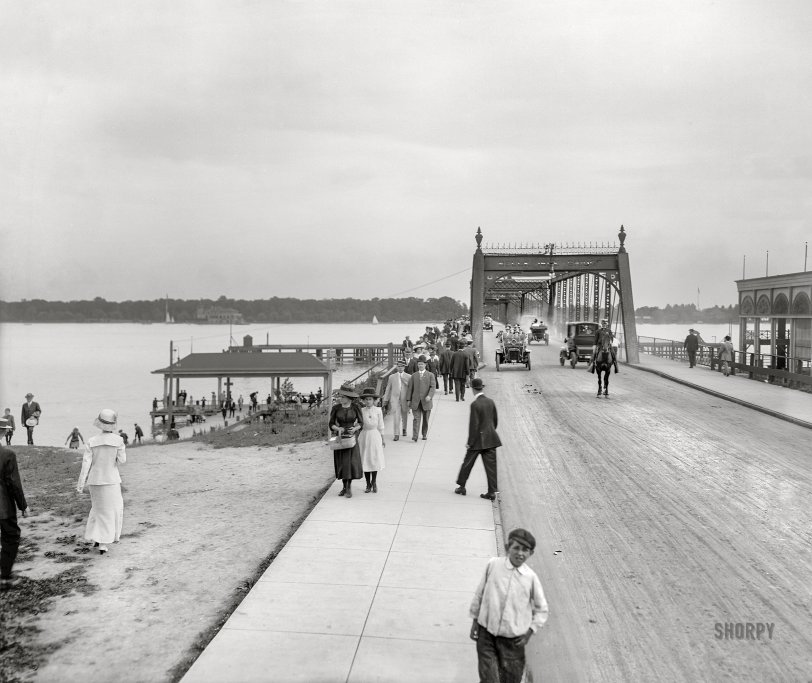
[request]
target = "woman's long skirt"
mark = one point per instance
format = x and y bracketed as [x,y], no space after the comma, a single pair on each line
[348,463]
[106,513]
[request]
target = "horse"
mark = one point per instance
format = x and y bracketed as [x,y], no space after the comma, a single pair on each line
[603,365]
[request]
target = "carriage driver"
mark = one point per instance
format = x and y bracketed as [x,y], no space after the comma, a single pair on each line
[603,337]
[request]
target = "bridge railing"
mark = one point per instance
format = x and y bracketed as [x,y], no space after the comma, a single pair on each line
[794,372]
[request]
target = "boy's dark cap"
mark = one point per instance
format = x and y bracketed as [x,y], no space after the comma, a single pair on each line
[524,537]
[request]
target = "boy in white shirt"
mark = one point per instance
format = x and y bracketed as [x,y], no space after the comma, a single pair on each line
[508,608]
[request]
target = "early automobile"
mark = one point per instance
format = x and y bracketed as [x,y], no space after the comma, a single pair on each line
[578,343]
[538,332]
[512,349]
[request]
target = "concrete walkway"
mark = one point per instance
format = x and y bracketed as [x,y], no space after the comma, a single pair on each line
[375,588]
[788,404]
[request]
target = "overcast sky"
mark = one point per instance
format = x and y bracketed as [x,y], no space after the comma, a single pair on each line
[351,149]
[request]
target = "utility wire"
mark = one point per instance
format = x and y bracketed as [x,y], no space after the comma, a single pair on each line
[426,284]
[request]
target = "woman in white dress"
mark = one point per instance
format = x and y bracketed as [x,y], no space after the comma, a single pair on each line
[103,453]
[370,439]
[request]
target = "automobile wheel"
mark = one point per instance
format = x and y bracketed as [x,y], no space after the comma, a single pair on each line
[528,363]
[573,359]
[561,358]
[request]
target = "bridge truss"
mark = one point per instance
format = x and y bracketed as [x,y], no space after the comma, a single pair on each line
[557,283]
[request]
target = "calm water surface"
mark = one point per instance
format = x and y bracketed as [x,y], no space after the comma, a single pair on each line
[75,370]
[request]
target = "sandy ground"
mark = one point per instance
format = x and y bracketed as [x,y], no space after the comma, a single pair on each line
[199,524]
[660,512]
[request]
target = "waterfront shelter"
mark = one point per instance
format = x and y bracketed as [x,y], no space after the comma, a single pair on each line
[775,321]
[274,366]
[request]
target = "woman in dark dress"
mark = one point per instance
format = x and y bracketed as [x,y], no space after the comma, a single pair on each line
[346,419]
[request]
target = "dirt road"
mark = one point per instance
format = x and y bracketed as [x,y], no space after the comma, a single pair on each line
[660,513]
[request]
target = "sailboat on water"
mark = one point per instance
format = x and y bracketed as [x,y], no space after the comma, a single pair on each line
[169,318]
[374,319]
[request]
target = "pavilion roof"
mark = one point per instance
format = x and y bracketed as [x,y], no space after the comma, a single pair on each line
[265,364]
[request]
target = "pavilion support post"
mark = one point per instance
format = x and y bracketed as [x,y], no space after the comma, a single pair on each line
[219,392]
[169,402]
[477,292]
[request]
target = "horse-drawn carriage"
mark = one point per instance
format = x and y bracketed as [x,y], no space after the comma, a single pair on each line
[512,349]
[578,343]
[538,332]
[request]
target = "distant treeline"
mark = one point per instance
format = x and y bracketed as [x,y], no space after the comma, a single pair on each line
[274,310]
[687,313]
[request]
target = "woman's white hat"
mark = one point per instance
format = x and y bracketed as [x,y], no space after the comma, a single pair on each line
[107,420]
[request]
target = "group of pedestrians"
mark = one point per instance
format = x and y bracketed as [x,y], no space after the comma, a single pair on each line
[726,351]
[360,427]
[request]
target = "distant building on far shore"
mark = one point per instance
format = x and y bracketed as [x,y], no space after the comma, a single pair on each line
[220,315]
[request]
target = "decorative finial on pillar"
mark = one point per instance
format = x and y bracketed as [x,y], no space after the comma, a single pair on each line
[622,237]
[478,238]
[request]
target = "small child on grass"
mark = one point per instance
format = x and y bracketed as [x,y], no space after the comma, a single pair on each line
[508,607]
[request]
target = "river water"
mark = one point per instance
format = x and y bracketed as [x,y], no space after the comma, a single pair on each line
[75,370]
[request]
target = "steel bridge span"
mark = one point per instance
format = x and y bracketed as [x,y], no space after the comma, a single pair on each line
[557,282]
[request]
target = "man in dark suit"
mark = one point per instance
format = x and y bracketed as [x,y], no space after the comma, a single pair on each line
[411,361]
[11,498]
[691,345]
[482,440]
[460,370]
[445,367]
[420,394]
[31,411]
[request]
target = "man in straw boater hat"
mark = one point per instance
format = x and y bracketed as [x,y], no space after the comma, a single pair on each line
[30,416]
[420,393]
[394,396]
[12,498]
[482,440]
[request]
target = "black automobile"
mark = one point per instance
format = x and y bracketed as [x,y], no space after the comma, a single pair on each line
[579,342]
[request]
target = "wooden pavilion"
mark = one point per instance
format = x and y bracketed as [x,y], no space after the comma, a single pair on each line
[221,366]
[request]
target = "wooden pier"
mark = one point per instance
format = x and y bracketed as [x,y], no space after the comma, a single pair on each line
[349,354]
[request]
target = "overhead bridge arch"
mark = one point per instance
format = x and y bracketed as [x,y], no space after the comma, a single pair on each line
[558,283]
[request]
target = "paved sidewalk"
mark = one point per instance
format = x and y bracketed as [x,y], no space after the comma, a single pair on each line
[788,404]
[375,588]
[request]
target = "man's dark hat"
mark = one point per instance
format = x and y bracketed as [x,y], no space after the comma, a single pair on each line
[401,362]
[477,383]
[422,359]
[524,537]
